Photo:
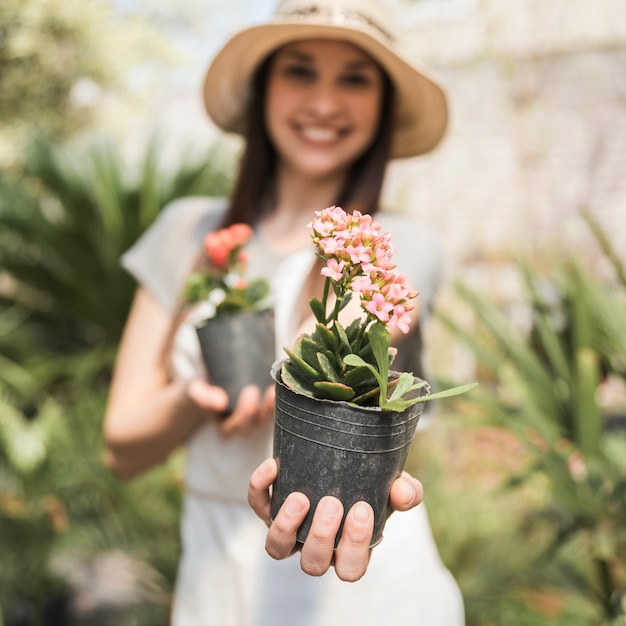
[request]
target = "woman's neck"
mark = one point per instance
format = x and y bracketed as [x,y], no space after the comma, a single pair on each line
[284,226]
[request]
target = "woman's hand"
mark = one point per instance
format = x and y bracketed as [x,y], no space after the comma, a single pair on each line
[351,557]
[251,410]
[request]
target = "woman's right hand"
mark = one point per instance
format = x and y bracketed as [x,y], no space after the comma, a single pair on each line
[252,410]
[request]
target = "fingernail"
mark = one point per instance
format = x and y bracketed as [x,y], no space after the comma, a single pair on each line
[361,513]
[294,506]
[329,508]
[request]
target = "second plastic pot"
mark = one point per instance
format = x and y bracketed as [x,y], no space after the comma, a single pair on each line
[238,350]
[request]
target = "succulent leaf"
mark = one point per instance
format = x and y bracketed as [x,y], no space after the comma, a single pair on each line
[335,391]
[303,367]
[359,376]
[352,331]
[342,338]
[309,351]
[293,381]
[327,336]
[328,369]
[318,310]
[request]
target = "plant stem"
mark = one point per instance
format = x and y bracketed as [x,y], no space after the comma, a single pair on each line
[325,298]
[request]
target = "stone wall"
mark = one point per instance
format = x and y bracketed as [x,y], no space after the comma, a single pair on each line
[538,128]
[537,132]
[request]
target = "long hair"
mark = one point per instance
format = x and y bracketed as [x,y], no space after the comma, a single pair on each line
[254,188]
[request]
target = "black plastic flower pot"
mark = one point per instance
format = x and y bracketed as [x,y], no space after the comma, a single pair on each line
[324,447]
[238,350]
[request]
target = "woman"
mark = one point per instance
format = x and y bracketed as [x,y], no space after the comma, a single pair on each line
[323,101]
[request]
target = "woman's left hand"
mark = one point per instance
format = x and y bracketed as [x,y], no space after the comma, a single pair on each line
[351,557]
[253,409]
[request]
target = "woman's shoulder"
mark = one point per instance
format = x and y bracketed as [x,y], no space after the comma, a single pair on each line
[163,255]
[192,211]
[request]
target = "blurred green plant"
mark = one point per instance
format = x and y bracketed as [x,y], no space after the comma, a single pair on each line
[63,227]
[59,59]
[64,299]
[544,388]
[58,501]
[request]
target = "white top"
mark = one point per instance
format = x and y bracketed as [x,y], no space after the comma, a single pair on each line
[225,577]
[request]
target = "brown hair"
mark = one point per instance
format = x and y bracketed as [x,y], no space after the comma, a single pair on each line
[254,188]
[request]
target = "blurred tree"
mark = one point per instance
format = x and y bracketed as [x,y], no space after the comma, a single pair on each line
[56,59]
[63,228]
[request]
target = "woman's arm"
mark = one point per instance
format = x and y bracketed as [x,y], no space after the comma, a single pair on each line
[148,415]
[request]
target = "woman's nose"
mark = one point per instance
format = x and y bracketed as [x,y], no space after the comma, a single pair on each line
[325,101]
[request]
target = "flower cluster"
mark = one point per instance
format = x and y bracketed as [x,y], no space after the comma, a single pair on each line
[224,248]
[352,363]
[221,278]
[358,258]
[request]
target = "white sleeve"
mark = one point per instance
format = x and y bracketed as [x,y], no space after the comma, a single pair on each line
[163,256]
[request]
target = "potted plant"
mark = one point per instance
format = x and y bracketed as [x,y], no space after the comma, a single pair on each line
[233,319]
[344,421]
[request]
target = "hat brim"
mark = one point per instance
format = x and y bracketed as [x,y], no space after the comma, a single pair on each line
[421,110]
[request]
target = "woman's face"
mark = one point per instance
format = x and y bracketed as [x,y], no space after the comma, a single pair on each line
[323,106]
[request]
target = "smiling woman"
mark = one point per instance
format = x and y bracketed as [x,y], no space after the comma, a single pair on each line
[323,100]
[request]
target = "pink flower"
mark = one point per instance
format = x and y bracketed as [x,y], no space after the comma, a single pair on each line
[221,244]
[400,319]
[363,285]
[217,248]
[379,307]
[358,254]
[333,269]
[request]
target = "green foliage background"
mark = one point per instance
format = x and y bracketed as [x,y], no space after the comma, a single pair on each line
[529,541]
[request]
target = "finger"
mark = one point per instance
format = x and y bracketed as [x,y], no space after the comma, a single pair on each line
[245,415]
[208,397]
[258,488]
[282,536]
[318,549]
[406,492]
[353,552]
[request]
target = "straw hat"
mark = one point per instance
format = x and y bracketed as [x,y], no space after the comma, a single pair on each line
[421,112]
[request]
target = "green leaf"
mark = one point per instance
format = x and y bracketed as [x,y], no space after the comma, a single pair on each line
[405,383]
[318,310]
[302,366]
[356,361]
[352,331]
[327,336]
[335,391]
[309,351]
[359,375]
[328,368]
[380,340]
[447,393]
[293,381]
[342,337]
[587,413]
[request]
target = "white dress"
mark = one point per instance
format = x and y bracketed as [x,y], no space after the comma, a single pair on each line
[225,577]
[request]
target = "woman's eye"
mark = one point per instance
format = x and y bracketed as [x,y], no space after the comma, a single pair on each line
[356,80]
[299,72]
